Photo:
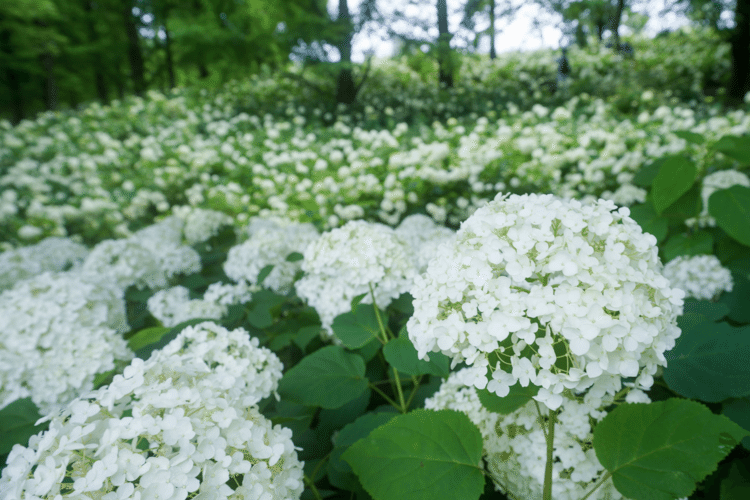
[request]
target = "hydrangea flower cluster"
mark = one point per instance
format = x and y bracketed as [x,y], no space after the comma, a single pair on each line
[149,258]
[201,224]
[183,423]
[51,254]
[270,242]
[347,261]
[548,292]
[514,445]
[174,305]
[713,182]
[424,237]
[51,322]
[700,276]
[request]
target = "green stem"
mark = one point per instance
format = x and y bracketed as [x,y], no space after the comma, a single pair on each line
[310,484]
[377,315]
[601,482]
[547,495]
[416,381]
[541,418]
[383,331]
[400,390]
[385,396]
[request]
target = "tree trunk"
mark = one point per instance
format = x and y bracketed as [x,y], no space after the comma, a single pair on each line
[346,92]
[739,81]
[97,56]
[13,78]
[137,71]
[493,54]
[168,51]
[50,82]
[616,24]
[445,70]
[600,30]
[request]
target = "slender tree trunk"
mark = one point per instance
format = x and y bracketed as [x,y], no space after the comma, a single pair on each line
[137,71]
[346,92]
[445,70]
[493,54]
[616,19]
[97,56]
[13,78]
[739,81]
[600,30]
[168,50]
[50,82]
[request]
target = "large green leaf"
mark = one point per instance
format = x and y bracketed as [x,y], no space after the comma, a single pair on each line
[329,377]
[516,398]
[355,329]
[676,175]
[734,147]
[423,455]
[401,354]
[660,451]
[262,307]
[17,424]
[340,473]
[731,209]
[690,137]
[147,336]
[736,486]
[713,311]
[709,361]
[738,411]
[650,221]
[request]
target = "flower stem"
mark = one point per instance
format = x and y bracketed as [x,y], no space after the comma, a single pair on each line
[385,396]
[596,486]
[547,495]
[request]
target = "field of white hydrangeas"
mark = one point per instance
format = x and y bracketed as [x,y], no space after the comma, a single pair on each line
[536,301]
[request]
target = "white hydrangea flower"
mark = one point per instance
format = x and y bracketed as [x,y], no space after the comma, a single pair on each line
[424,237]
[227,294]
[174,306]
[182,423]
[575,290]
[50,323]
[270,242]
[53,254]
[201,224]
[345,262]
[700,276]
[514,446]
[626,195]
[713,182]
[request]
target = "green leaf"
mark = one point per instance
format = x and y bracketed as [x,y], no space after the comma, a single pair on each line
[687,206]
[401,354]
[516,398]
[709,361]
[738,411]
[306,334]
[404,304]
[147,336]
[17,424]
[698,243]
[260,314]
[646,175]
[357,300]
[340,473]
[731,209]
[167,337]
[734,147]
[294,257]
[355,329]
[425,455]
[263,274]
[690,137]
[649,220]
[736,486]
[330,377]
[712,311]
[660,451]
[676,175]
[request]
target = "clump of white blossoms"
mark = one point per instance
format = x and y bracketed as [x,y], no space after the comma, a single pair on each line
[50,323]
[345,262]
[548,292]
[174,305]
[150,258]
[514,445]
[701,276]
[183,423]
[424,237]
[270,242]
[201,224]
[51,254]
[713,182]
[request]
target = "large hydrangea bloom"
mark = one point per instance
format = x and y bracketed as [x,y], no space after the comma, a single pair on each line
[346,262]
[183,423]
[548,292]
[700,276]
